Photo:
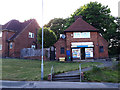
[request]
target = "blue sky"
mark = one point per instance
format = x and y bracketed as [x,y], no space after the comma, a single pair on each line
[28,9]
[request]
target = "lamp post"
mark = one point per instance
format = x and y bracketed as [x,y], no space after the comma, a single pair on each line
[42,45]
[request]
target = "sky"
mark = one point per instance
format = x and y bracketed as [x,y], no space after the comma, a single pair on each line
[32,9]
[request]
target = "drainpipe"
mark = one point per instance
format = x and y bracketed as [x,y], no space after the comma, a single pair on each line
[36,38]
[8,48]
[8,44]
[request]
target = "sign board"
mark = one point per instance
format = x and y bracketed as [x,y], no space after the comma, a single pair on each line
[88,52]
[82,44]
[81,35]
[68,52]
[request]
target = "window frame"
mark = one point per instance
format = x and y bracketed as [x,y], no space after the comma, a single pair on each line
[62,50]
[11,45]
[0,46]
[0,33]
[33,47]
[31,35]
[101,49]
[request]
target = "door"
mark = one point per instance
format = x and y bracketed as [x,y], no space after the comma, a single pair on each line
[82,53]
[76,54]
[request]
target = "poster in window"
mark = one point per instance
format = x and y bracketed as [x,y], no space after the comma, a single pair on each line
[76,53]
[88,52]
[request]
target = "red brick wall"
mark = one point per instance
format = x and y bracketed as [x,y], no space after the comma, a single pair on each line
[60,43]
[104,43]
[94,37]
[23,41]
[5,35]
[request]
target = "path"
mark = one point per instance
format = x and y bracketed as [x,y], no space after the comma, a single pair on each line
[76,72]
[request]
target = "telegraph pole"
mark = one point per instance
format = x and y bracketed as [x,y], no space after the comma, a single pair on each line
[42,45]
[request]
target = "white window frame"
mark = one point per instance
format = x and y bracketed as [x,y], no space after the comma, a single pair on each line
[31,35]
[81,35]
[33,46]
[0,46]
[0,33]
[11,45]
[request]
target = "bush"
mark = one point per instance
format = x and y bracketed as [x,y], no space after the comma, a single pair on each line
[96,69]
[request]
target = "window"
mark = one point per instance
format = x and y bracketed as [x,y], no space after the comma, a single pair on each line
[0,47]
[1,34]
[62,50]
[33,46]
[81,35]
[31,35]
[101,49]
[11,45]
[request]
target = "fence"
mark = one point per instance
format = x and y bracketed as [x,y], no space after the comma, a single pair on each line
[30,52]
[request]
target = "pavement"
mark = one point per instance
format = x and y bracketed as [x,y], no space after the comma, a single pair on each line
[53,85]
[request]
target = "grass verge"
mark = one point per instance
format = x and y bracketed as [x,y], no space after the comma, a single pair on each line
[29,70]
[103,75]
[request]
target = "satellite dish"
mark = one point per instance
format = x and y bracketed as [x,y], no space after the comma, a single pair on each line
[63,36]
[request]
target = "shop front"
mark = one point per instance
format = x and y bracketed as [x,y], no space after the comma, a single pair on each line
[82,50]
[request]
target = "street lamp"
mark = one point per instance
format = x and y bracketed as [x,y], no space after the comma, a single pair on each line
[42,45]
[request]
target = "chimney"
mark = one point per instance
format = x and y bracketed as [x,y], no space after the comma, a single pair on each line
[76,17]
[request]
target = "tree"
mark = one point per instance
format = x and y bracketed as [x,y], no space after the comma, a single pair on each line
[114,38]
[99,16]
[49,37]
[56,25]
[95,14]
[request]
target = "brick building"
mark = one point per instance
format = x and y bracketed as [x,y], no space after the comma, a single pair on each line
[81,41]
[16,35]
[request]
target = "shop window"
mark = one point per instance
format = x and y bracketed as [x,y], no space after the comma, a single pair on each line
[62,50]
[101,49]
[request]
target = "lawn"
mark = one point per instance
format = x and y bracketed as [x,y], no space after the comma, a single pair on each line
[103,75]
[20,69]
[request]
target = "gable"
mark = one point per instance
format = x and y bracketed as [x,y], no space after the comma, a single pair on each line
[16,26]
[79,26]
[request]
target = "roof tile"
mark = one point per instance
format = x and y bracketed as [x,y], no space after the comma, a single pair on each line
[80,25]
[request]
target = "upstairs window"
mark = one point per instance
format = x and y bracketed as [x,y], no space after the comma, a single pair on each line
[11,45]
[62,50]
[0,46]
[31,35]
[81,35]
[0,33]
[101,49]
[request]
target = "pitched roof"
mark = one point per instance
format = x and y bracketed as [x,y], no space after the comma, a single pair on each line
[15,26]
[80,25]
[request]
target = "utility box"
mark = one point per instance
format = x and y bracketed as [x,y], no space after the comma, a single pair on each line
[68,55]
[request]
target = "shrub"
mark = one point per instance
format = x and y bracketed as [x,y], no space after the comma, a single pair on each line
[96,69]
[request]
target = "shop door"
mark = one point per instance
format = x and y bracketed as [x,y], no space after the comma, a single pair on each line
[82,53]
[76,54]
